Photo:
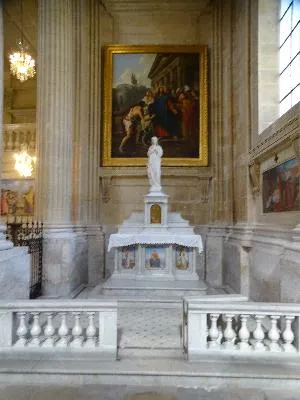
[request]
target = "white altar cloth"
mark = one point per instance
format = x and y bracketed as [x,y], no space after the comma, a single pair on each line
[123,239]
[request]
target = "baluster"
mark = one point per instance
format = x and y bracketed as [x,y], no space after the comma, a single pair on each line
[9,143]
[274,334]
[91,331]
[63,331]
[244,334]
[32,140]
[21,330]
[17,145]
[35,330]
[49,331]
[258,334]
[213,332]
[288,335]
[229,333]
[77,331]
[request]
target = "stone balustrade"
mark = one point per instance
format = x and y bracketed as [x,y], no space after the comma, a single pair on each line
[17,136]
[239,327]
[61,325]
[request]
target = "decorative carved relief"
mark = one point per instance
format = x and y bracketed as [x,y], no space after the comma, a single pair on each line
[105,189]
[254,171]
[204,190]
[296,146]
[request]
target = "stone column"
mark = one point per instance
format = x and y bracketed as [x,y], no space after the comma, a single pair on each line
[64,251]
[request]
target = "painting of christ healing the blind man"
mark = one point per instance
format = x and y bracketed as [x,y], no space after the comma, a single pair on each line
[155,91]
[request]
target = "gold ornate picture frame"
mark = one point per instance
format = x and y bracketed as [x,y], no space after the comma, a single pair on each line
[155,91]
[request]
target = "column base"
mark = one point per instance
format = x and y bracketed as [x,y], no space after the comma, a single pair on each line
[65,260]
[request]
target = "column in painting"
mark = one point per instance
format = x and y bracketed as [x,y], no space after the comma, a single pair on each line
[65,247]
[14,261]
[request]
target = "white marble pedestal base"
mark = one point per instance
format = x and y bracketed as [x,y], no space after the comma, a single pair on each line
[150,289]
[15,270]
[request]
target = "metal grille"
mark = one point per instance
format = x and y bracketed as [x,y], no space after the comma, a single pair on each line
[30,234]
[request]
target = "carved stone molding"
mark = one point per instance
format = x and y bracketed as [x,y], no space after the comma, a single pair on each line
[296,146]
[254,171]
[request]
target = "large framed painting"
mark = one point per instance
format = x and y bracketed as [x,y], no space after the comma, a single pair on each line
[281,187]
[155,91]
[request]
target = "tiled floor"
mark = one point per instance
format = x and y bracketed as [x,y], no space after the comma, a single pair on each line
[108,392]
[155,326]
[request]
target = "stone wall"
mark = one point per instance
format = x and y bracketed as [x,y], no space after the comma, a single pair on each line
[189,188]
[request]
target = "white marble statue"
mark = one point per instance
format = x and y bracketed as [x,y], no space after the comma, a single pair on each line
[154,154]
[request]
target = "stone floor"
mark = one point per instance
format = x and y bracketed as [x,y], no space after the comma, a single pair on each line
[109,392]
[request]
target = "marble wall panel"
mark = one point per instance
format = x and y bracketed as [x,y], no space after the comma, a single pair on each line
[265,274]
[290,275]
[232,266]
[15,270]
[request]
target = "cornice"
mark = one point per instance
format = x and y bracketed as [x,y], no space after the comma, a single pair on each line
[280,138]
[155,6]
[196,172]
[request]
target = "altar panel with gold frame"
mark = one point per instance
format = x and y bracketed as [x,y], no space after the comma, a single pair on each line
[155,91]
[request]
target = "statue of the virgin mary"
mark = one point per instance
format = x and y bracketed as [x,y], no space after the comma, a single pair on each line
[155,153]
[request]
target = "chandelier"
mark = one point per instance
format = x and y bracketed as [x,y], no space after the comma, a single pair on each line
[22,65]
[24,163]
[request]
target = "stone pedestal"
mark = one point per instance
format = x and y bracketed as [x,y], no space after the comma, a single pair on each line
[155,245]
[15,269]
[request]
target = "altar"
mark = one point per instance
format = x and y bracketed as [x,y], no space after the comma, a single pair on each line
[156,244]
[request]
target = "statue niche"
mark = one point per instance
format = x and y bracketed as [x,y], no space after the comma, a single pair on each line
[155,214]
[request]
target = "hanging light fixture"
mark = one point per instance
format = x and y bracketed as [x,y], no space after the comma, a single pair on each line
[22,65]
[24,163]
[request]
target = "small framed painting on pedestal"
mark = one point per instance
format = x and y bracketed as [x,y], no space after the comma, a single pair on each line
[182,258]
[128,258]
[155,258]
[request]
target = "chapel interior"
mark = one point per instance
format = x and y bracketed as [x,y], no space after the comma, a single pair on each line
[251,239]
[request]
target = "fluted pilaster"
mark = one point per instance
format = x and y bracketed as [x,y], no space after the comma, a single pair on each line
[55,108]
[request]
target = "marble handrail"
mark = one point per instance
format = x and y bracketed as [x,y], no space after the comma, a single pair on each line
[240,327]
[59,324]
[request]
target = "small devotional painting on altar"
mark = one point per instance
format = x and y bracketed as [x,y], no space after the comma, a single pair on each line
[128,257]
[155,258]
[182,257]
[281,187]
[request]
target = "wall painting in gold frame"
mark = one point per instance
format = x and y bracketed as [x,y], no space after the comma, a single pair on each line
[155,91]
